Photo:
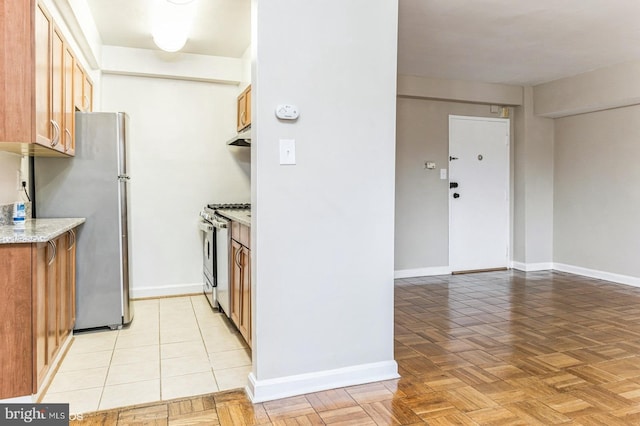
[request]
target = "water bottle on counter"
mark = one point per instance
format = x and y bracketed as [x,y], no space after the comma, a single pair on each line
[19,214]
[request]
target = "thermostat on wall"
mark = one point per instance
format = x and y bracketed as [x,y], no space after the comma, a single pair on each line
[287,112]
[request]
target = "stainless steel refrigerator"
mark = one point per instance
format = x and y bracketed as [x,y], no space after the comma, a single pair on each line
[94,185]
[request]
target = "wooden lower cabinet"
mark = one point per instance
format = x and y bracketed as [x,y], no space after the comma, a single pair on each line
[240,256]
[236,273]
[15,333]
[37,313]
[245,310]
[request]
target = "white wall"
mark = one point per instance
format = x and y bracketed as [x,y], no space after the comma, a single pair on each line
[246,68]
[322,234]
[458,90]
[422,203]
[597,200]
[597,90]
[179,163]
[9,164]
[533,212]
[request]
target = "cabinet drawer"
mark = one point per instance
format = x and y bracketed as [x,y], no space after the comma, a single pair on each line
[241,233]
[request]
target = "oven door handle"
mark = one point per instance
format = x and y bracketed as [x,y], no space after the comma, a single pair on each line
[205,226]
[220,225]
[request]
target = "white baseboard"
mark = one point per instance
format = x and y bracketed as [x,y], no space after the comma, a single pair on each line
[530,267]
[601,275]
[27,399]
[422,272]
[167,290]
[282,387]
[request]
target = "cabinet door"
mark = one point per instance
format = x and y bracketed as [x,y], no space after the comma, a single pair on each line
[17,66]
[244,109]
[245,320]
[15,310]
[236,282]
[87,94]
[51,294]
[247,107]
[68,134]
[78,83]
[44,127]
[63,287]
[40,281]
[57,90]
[71,267]
[82,89]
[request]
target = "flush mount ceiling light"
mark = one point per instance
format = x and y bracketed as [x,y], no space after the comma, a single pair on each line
[171,23]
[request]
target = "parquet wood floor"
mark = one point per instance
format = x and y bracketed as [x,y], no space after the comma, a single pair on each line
[498,348]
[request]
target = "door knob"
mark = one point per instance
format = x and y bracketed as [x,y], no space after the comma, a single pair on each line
[453,185]
[456,195]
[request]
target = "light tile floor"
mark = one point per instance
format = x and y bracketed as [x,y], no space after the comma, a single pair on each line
[175,347]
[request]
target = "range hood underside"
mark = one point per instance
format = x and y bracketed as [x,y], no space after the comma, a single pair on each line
[241,139]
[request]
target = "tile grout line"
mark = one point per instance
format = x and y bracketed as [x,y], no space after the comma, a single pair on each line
[213,374]
[211,369]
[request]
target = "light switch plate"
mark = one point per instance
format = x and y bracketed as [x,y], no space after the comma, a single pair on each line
[443,174]
[287,151]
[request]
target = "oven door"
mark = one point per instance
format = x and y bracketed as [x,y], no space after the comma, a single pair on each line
[221,264]
[208,255]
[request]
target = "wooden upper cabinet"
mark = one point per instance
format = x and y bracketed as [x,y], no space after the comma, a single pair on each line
[42,91]
[82,90]
[57,90]
[68,134]
[244,109]
[87,94]
[78,82]
[36,77]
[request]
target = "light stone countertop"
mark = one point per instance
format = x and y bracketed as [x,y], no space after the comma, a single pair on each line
[37,230]
[240,216]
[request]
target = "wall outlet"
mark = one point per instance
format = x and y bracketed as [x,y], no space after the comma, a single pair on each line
[18,180]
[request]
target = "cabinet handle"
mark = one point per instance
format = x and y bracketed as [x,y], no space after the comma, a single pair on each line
[66,146]
[238,253]
[55,252]
[56,138]
[243,116]
[73,239]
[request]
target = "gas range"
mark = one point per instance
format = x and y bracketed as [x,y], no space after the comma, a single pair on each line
[215,253]
[209,211]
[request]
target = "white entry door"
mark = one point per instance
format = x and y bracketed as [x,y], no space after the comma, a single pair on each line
[479,193]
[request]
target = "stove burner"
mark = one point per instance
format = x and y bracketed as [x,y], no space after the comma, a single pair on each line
[231,206]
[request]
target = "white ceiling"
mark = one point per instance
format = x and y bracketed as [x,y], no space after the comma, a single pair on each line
[497,41]
[222,27]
